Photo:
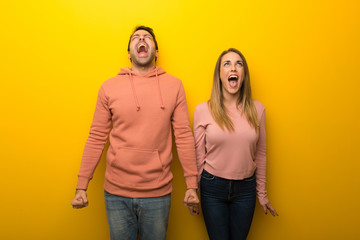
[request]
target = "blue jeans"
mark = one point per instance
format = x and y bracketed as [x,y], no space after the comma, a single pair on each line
[130,217]
[228,206]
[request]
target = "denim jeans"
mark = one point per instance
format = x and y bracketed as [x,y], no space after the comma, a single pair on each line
[228,206]
[130,217]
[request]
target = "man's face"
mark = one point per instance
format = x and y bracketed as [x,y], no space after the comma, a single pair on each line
[142,49]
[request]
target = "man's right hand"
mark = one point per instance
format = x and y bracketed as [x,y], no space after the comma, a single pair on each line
[80,199]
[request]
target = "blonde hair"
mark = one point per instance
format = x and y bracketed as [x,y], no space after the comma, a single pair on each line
[216,102]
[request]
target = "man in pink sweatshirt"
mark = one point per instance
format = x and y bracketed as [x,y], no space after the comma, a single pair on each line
[137,109]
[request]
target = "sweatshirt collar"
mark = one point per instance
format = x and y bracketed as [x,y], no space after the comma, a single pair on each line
[153,73]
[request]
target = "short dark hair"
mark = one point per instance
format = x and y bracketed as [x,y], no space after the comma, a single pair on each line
[148,29]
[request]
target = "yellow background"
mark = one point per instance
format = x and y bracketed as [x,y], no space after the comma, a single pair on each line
[304,63]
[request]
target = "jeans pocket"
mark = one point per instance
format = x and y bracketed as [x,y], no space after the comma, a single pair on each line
[207,176]
[250,179]
[107,194]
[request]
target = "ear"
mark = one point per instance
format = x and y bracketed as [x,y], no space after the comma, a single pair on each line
[157,53]
[129,55]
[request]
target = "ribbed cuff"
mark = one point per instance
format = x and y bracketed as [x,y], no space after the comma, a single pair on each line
[82,183]
[191,182]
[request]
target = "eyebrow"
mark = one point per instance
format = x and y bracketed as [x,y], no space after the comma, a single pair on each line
[145,35]
[226,61]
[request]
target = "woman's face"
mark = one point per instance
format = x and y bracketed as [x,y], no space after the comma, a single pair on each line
[231,73]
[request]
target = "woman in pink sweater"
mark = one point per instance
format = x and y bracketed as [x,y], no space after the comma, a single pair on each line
[230,144]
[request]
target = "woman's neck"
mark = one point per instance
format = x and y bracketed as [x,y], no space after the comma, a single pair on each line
[230,100]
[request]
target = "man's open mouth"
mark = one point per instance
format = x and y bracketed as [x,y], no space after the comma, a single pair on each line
[142,48]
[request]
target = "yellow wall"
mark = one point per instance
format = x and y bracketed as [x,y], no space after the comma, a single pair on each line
[304,64]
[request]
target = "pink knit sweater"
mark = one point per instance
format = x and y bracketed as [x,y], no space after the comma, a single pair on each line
[233,155]
[139,112]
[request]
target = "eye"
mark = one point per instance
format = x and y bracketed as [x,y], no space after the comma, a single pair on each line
[226,63]
[240,64]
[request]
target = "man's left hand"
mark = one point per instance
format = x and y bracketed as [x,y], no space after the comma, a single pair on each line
[192,201]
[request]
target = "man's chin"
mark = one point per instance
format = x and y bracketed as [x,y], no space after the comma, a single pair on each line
[144,62]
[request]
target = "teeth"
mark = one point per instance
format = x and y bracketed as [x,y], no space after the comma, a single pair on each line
[140,45]
[233,77]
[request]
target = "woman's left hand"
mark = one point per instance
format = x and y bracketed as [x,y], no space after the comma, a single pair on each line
[268,206]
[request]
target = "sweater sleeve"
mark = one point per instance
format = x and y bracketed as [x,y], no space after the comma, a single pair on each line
[184,139]
[200,139]
[96,141]
[260,160]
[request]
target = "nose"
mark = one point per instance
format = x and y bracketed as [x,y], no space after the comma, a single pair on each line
[233,68]
[141,38]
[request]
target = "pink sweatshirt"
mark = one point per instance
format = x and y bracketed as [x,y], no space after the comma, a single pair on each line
[140,111]
[233,155]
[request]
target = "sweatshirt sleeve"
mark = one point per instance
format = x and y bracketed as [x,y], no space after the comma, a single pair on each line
[96,141]
[260,160]
[200,139]
[184,139]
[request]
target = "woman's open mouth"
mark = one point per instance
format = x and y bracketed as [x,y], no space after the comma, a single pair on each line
[233,80]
